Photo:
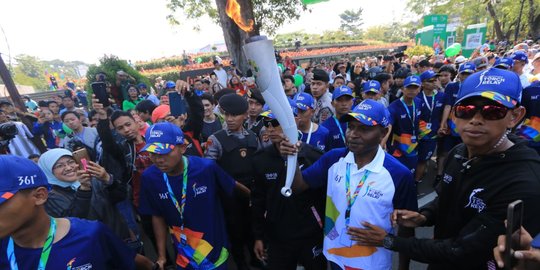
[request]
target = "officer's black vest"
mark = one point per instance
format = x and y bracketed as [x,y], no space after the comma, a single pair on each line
[236,158]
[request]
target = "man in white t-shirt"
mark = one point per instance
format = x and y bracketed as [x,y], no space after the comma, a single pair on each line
[220,73]
[364,186]
[520,60]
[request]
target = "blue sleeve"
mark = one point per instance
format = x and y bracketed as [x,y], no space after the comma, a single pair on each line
[405,195]
[391,113]
[316,175]
[118,254]
[449,94]
[223,179]
[147,203]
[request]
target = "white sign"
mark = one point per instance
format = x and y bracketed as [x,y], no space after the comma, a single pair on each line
[473,41]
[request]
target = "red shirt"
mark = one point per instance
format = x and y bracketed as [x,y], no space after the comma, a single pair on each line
[142,161]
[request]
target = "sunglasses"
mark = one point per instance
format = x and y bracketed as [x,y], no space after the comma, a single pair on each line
[488,112]
[273,122]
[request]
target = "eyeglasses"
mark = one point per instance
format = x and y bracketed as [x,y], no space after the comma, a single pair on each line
[488,112]
[273,122]
[62,166]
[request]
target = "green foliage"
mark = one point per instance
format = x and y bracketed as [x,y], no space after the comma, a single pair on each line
[20,77]
[269,14]
[328,37]
[394,32]
[109,65]
[419,50]
[173,62]
[351,21]
[31,66]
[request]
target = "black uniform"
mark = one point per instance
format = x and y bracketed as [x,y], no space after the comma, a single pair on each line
[292,226]
[470,210]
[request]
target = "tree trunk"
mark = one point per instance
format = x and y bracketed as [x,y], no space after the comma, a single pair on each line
[234,36]
[534,21]
[496,22]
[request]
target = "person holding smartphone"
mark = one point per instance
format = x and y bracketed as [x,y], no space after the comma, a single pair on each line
[528,255]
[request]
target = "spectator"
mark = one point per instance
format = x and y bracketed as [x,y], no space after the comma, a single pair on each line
[132,99]
[146,95]
[145,109]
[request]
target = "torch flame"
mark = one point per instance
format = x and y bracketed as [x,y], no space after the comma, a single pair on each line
[233,10]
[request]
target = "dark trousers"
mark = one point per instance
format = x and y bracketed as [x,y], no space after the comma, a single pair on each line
[307,252]
[238,220]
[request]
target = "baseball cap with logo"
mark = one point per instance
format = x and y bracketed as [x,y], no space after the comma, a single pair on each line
[505,62]
[369,112]
[161,138]
[304,101]
[467,68]
[372,86]
[17,174]
[520,56]
[268,114]
[499,85]
[428,74]
[412,80]
[342,91]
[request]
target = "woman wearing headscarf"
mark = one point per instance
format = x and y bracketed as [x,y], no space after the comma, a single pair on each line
[82,193]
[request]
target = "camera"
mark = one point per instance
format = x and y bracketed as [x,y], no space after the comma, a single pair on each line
[8,131]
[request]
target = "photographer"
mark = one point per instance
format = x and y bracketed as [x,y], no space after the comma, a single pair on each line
[15,138]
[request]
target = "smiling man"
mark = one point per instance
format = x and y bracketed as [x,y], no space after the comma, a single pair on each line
[364,185]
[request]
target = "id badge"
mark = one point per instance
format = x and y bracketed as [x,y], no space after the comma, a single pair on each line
[345,239]
[183,240]
[413,139]
[428,125]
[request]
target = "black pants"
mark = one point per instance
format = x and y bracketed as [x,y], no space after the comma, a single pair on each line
[238,218]
[307,252]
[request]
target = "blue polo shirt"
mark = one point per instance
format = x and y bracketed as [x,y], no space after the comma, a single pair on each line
[431,110]
[204,224]
[336,132]
[403,141]
[389,185]
[87,245]
[450,96]
[530,129]
[319,138]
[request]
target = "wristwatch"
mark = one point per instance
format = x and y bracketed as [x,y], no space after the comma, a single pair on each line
[388,241]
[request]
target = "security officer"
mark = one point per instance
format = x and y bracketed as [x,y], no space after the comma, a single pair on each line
[291,228]
[233,148]
[255,108]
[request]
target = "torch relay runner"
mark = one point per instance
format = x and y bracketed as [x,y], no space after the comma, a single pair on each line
[364,186]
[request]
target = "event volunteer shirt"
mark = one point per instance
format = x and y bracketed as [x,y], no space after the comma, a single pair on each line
[530,129]
[203,242]
[384,185]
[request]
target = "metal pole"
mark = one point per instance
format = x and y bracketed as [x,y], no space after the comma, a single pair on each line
[519,20]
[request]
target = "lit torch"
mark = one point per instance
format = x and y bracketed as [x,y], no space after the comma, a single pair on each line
[260,54]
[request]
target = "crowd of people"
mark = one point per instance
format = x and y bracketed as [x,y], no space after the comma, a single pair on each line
[134,184]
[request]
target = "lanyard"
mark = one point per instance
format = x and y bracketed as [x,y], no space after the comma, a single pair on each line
[412,116]
[340,129]
[351,199]
[309,134]
[45,252]
[432,101]
[180,207]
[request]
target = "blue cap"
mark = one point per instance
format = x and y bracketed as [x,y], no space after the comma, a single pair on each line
[170,84]
[412,80]
[161,138]
[142,85]
[17,174]
[342,91]
[505,62]
[372,86]
[499,85]
[304,101]
[369,112]
[268,114]
[428,74]
[467,68]
[520,56]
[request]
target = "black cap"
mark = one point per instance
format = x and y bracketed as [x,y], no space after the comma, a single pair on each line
[320,75]
[402,73]
[233,104]
[424,63]
[223,92]
[256,95]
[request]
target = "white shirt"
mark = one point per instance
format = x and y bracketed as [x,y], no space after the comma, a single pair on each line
[222,76]
[525,79]
[22,145]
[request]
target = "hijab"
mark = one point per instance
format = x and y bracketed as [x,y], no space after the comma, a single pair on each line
[46,163]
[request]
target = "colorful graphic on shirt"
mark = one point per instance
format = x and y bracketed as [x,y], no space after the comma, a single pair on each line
[196,250]
[453,128]
[530,129]
[331,214]
[70,263]
[404,144]
[353,251]
[424,130]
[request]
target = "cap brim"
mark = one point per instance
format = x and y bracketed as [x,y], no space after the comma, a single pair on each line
[416,84]
[158,148]
[302,106]
[346,94]
[493,96]
[371,91]
[470,71]
[360,118]
[6,195]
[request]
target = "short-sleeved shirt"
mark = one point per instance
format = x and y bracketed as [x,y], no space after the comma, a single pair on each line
[336,131]
[450,96]
[318,138]
[405,128]
[87,245]
[431,110]
[530,129]
[204,224]
[388,186]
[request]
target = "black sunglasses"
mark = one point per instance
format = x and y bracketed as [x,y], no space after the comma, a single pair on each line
[273,122]
[488,112]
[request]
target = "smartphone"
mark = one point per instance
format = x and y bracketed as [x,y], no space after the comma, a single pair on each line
[536,242]
[514,217]
[177,104]
[100,90]
[80,155]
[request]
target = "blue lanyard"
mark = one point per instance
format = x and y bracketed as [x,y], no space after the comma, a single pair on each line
[351,198]
[413,117]
[45,252]
[340,129]
[179,206]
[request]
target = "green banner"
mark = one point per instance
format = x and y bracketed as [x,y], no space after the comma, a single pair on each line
[473,38]
[424,36]
[439,31]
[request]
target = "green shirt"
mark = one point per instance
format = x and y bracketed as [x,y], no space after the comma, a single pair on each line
[130,104]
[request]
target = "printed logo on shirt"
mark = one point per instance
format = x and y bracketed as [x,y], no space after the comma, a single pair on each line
[336,137]
[163,196]
[271,176]
[447,178]
[338,178]
[535,97]
[403,116]
[371,192]
[438,104]
[69,265]
[475,202]
[316,251]
[198,190]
